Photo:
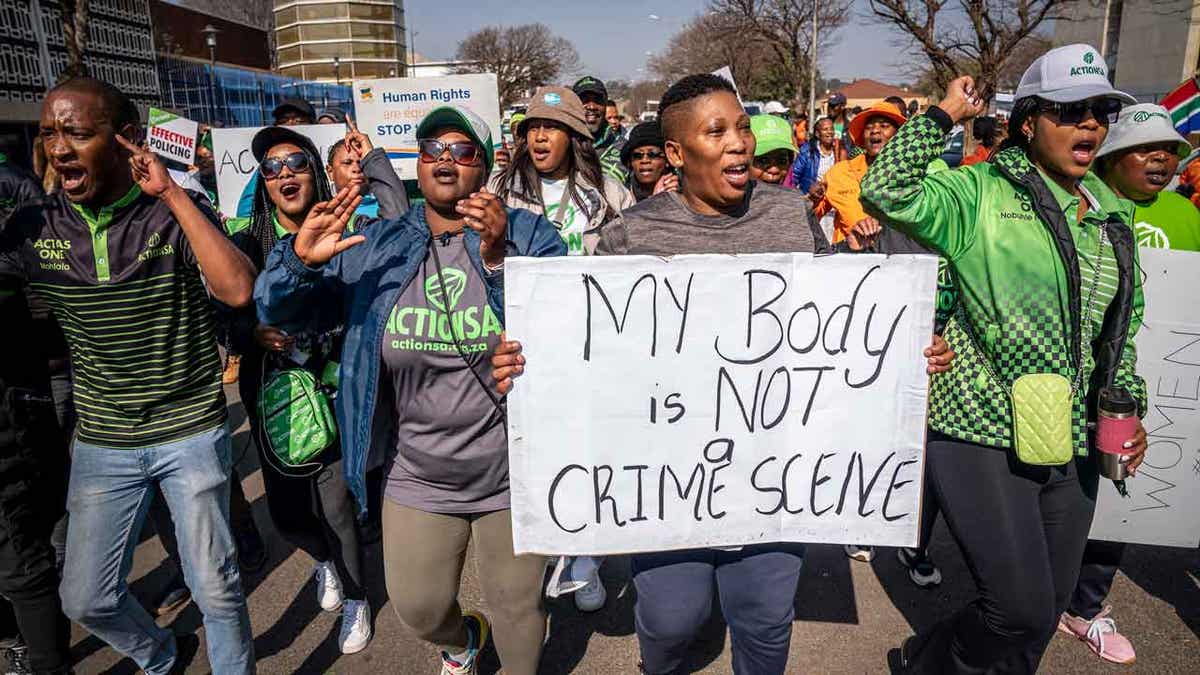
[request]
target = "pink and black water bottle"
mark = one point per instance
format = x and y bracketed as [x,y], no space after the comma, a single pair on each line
[1116,423]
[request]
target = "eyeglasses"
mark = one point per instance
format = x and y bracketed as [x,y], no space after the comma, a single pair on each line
[646,154]
[771,159]
[465,153]
[271,167]
[592,97]
[1103,109]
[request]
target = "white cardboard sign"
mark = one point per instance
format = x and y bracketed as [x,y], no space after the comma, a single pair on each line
[235,162]
[388,110]
[713,400]
[172,136]
[1164,498]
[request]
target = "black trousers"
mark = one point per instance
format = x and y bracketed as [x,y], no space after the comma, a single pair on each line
[1022,530]
[1100,562]
[32,496]
[317,514]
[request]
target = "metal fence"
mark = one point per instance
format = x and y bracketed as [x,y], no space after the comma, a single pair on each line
[236,97]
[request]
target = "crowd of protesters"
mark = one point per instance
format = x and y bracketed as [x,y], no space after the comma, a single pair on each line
[119,265]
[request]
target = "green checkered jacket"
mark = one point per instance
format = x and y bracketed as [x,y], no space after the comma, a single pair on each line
[1017,269]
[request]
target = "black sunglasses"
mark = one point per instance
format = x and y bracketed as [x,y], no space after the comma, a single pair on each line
[271,167]
[465,153]
[1105,110]
[770,159]
[646,154]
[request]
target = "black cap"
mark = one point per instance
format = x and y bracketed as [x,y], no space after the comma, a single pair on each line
[269,137]
[646,133]
[589,84]
[295,104]
[336,114]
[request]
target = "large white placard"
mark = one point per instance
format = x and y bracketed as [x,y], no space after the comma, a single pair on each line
[717,400]
[235,162]
[388,110]
[1164,498]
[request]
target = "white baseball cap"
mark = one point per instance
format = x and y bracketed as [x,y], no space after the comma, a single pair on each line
[774,108]
[1140,125]
[1066,74]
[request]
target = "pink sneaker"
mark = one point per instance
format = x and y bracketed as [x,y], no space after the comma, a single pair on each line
[1101,636]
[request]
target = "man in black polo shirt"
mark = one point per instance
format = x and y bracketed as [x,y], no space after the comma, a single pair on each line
[117,254]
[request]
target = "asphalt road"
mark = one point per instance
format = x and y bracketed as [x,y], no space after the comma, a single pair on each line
[848,614]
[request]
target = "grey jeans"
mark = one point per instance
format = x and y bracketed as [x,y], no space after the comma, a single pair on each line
[423,557]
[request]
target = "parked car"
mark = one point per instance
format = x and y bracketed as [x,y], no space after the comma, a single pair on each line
[953,153]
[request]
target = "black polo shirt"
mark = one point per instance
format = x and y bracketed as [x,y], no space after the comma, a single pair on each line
[126,289]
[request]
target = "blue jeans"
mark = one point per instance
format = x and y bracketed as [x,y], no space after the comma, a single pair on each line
[757,589]
[109,495]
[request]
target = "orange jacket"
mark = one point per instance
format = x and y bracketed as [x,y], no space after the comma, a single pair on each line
[980,155]
[841,193]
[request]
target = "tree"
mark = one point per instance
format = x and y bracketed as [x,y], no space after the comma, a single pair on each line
[75,36]
[766,43]
[618,89]
[522,57]
[646,90]
[976,37]
[783,29]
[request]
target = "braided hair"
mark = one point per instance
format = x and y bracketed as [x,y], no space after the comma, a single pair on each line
[262,220]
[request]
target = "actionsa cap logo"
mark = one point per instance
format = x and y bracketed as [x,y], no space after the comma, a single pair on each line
[1089,57]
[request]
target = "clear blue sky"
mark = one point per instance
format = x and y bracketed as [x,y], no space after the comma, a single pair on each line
[613,36]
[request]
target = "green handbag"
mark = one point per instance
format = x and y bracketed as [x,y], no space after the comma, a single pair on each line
[297,420]
[1042,403]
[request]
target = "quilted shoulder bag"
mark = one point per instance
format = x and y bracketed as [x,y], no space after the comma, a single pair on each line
[1042,403]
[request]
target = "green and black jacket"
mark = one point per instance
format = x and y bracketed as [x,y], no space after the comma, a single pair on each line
[1017,268]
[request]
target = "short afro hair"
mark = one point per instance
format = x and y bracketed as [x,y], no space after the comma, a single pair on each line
[120,108]
[691,87]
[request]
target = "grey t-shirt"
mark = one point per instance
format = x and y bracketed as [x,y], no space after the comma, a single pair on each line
[451,448]
[773,219]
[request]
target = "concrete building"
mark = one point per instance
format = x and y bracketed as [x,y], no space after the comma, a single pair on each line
[120,49]
[1151,45]
[340,40]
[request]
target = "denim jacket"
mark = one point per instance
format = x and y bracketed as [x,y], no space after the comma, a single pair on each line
[358,289]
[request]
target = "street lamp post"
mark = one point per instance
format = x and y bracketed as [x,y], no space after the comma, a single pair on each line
[210,39]
[337,69]
[812,75]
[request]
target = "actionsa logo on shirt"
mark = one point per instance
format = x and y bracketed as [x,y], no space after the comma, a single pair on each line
[429,329]
[1149,236]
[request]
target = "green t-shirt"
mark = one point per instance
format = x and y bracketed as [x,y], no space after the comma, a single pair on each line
[1169,220]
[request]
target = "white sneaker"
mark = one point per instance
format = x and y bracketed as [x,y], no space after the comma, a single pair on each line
[860,553]
[591,598]
[356,626]
[329,587]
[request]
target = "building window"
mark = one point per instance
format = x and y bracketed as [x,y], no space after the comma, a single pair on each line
[374,50]
[285,16]
[319,12]
[289,55]
[329,31]
[287,36]
[377,12]
[373,31]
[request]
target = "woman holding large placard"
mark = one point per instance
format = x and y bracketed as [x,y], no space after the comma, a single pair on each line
[718,209]
[422,302]
[1049,301]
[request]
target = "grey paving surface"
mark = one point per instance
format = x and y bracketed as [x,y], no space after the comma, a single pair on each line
[848,614]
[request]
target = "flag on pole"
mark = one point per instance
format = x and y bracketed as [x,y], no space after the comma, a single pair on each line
[1183,104]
